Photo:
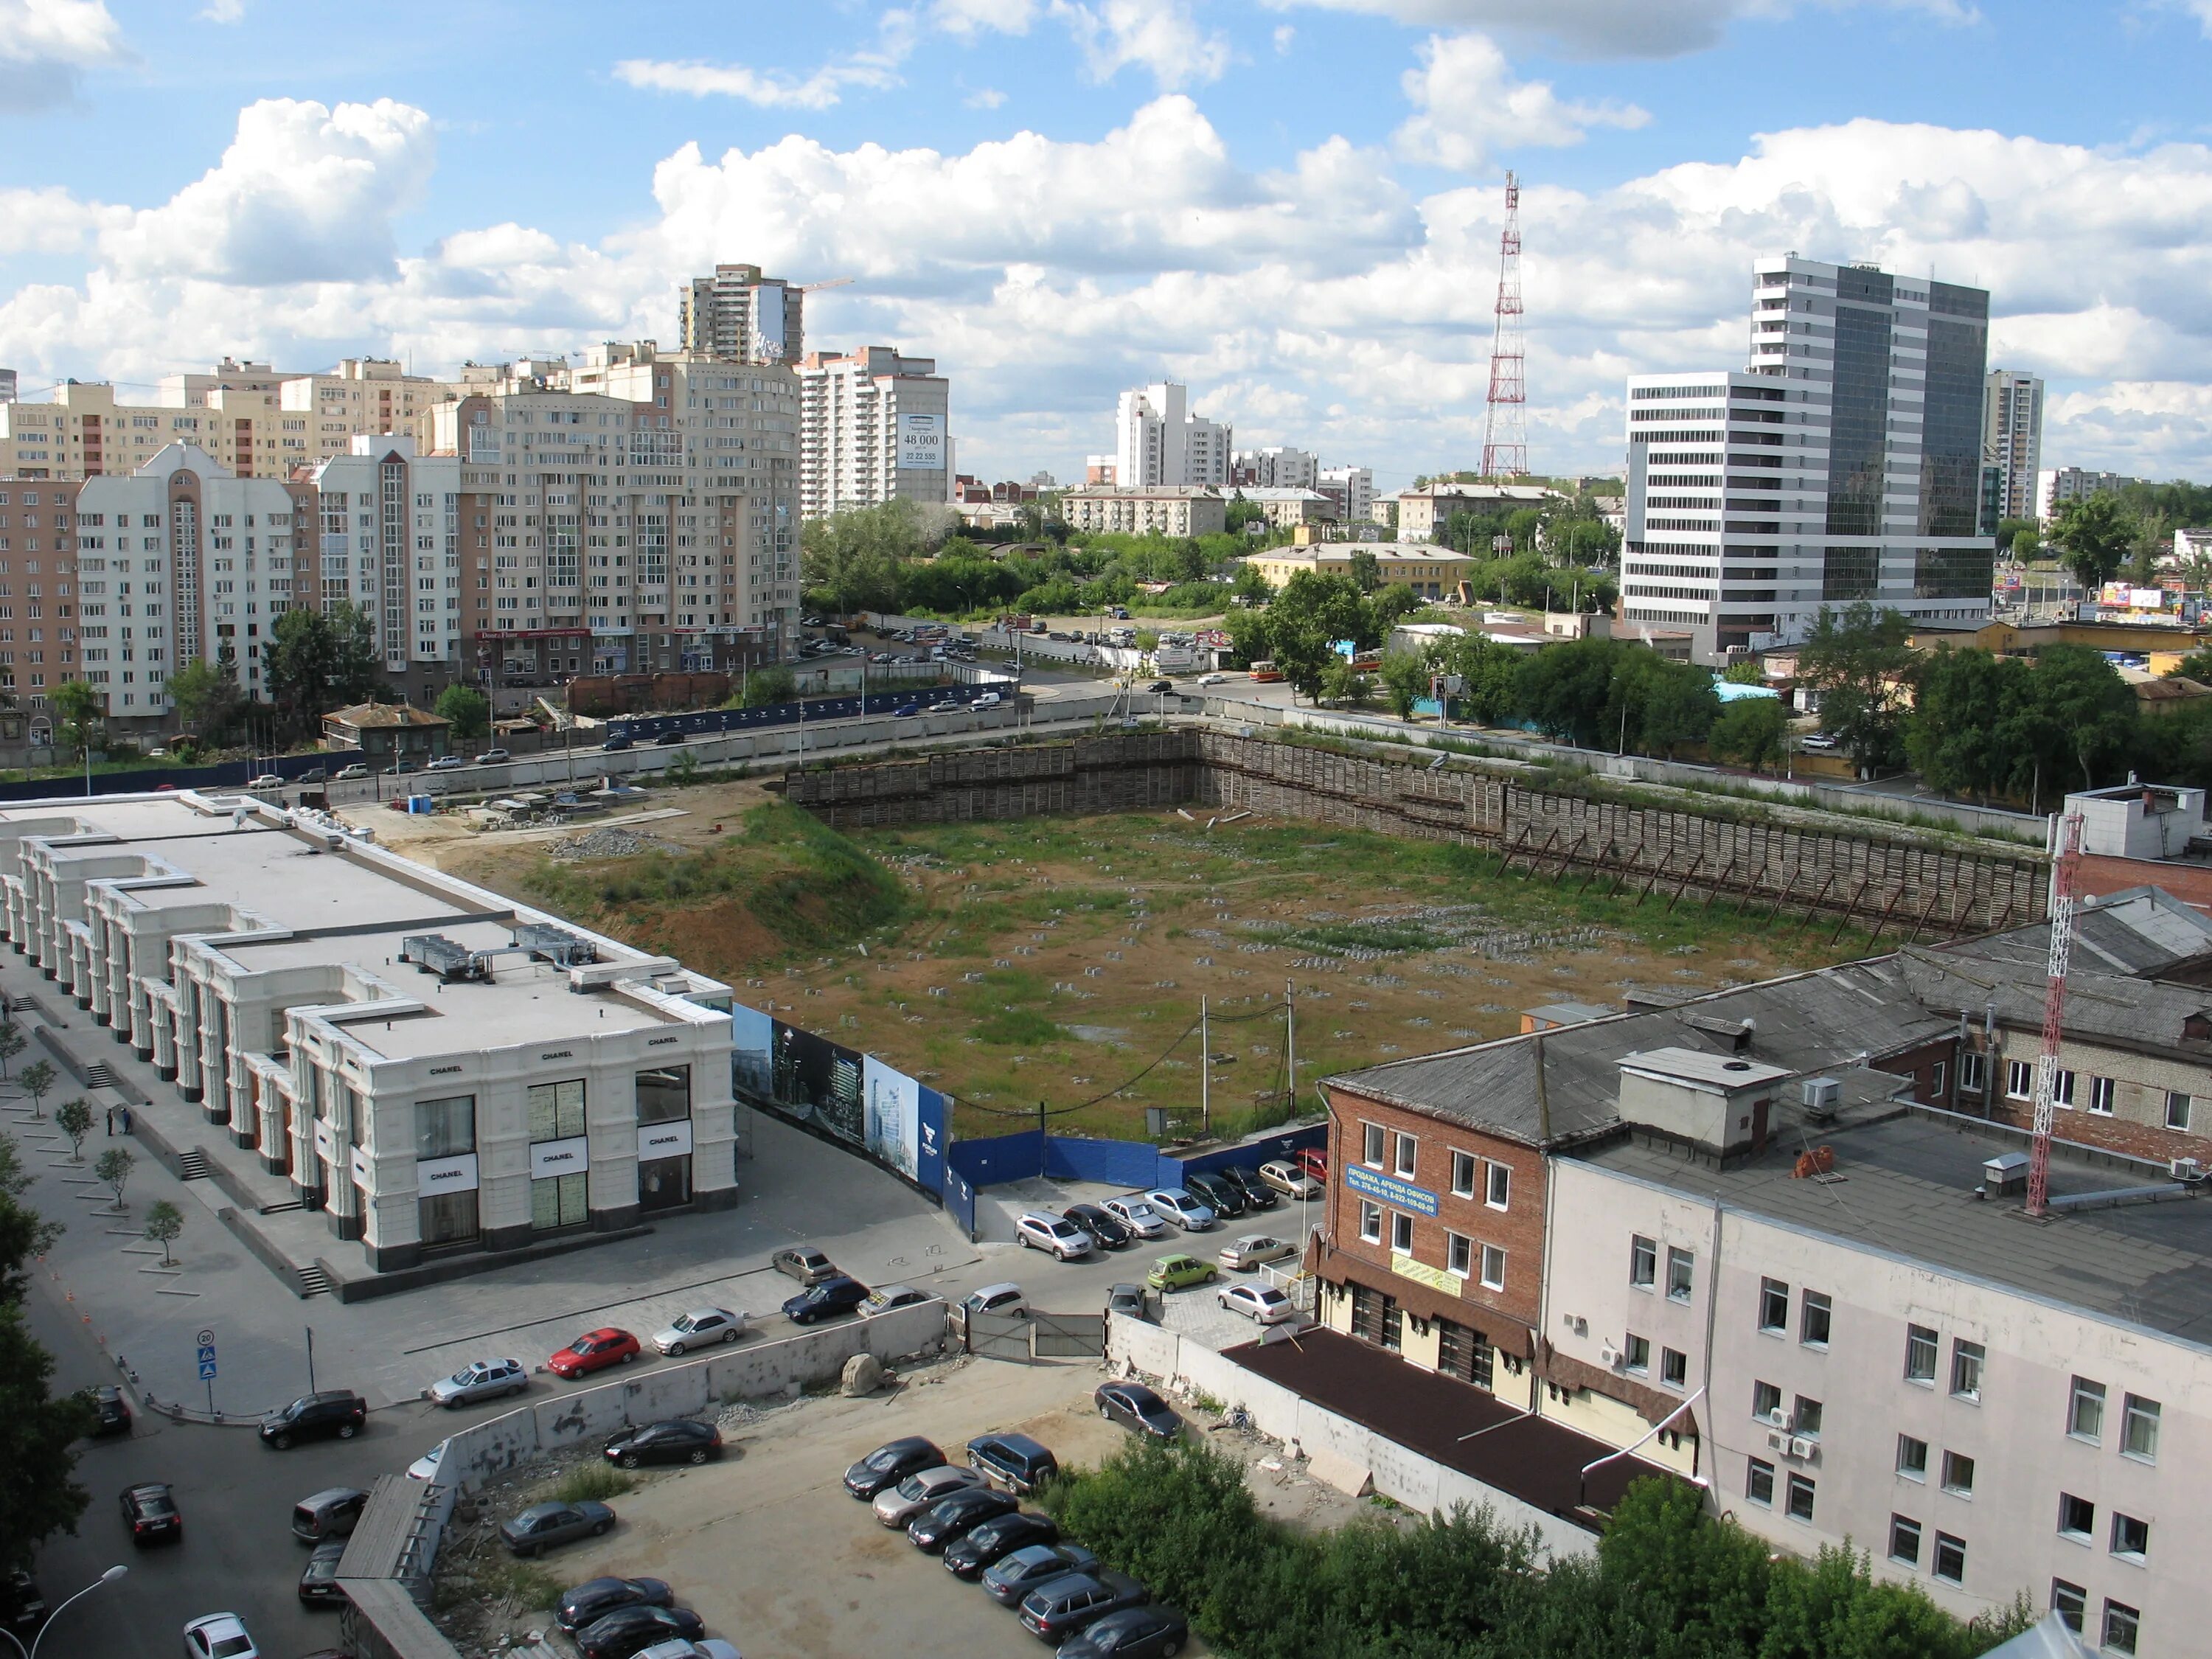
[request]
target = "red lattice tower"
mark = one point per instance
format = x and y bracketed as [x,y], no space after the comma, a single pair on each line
[1505,427]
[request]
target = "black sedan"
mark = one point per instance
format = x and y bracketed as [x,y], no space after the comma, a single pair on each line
[1105,1231]
[318,1579]
[994,1541]
[21,1607]
[1217,1194]
[827,1300]
[111,1411]
[1132,1633]
[887,1465]
[541,1526]
[677,1440]
[150,1512]
[595,1598]
[1258,1194]
[1136,1407]
[629,1631]
[953,1517]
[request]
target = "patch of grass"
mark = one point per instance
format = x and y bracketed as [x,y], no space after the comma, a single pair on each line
[591,1483]
[1340,938]
[525,1583]
[1019,1027]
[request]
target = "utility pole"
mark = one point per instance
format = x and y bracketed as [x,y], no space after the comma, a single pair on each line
[1291,1036]
[1204,1073]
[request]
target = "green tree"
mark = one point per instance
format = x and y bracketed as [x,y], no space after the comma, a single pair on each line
[1751,732]
[1489,675]
[11,1042]
[164,1221]
[2020,537]
[1250,586]
[316,660]
[1567,690]
[772,684]
[113,1168]
[1859,659]
[39,1493]
[466,709]
[1961,724]
[1343,684]
[2083,697]
[1671,705]
[853,561]
[1366,570]
[74,1118]
[2196,666]
[14,1179]
[1332,606]
[1404,681]
[1389,606]
[37,1079]
[1304,654]
[82,707]
[207,698]
[1744,671]
[2093,535]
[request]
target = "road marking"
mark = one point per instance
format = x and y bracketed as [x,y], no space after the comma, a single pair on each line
[165,1289]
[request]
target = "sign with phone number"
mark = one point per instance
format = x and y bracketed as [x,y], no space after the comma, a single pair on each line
[1387,1189]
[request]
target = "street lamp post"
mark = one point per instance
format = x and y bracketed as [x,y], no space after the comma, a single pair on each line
[107,1577]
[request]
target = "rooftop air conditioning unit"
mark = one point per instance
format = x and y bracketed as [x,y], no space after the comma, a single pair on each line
[1823,1098]
[2185,1168]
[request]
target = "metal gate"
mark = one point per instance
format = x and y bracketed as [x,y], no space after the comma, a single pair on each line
[998,1336]
[1067,1336]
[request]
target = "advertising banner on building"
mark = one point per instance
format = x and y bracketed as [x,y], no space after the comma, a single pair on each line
[872,1106]
[921,441]
[894,1115]
[752,1051]
[819,1081]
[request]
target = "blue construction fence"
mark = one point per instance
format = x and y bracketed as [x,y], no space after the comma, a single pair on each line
[143,780]
[918,700]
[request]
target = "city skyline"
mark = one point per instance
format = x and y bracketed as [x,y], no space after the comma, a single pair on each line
[1058,203]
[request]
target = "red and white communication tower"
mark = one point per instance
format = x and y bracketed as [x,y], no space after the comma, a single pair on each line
[1505,429]
[2067,857]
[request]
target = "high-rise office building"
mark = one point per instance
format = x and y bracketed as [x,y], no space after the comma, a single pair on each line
[1159,442]
[2012,441]
[741,316]
[1843,464]
[873,427]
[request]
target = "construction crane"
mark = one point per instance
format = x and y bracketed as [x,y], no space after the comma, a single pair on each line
[2066,856]
[835,281]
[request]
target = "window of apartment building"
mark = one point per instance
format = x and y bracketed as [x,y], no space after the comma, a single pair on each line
[1636,1356]
[2077,1518]
[2131,1537]
[1463,1175]
[1401,1233]
[1936,1082]
[1493,1267]
[1673,1368]
[1905,1540]
[2085,1411]
[1498,1185]
[1773,1306]
[560,1158]
[1758,1483]
[2123,1626]
[1950,1564]
[2020,1079]
[1642,1262]
[1465,1353]
[1807,1418]
[1681,1268]
[1408,1157]
[2062,1089]
[2177,1110]
[2070,1602]
[1800,1498]
[1971,1071]
[1766,1402]
[1912,1457]
[1459,1255]
[1370,1222]
[2100,1096]
[1921,1346]
[1376,1317]
[1965,1369]
[1957,1474]
[1371,1146]
[1815,1320]
[2139,1428]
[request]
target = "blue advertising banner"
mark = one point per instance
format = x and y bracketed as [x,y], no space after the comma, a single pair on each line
[1387,1189]
[850,1097]
[929,1168]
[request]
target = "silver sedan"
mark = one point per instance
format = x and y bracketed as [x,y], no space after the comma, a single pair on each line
[480,1379]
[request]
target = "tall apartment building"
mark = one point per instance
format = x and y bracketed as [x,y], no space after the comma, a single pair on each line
[2056,486]
[1843,464]
[741,316]
[1275,467]
[1352,489]
[2012,441]
[873,427]
[1158,440]
[388,538]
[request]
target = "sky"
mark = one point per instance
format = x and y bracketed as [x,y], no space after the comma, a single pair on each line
[1293,206]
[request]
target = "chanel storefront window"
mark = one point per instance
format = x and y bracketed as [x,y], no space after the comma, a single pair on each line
[560,1156]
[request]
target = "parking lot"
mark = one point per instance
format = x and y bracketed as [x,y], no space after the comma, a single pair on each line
[769,1550]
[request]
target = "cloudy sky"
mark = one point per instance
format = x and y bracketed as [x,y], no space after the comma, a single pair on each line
[1291,204]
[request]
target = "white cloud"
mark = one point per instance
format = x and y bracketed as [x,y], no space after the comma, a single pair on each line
[1467,103]
[1285,34]
[984,97]
[767,88]
[51,220]
[45,45]
[969,17]
[224,11]
[1612,28]
[1158,35]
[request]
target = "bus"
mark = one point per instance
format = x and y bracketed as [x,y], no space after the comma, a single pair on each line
[1266,672]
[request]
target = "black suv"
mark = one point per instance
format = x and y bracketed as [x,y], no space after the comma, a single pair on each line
[1257,1193]
[1106,1233]
[1223,1198]
[338,1412]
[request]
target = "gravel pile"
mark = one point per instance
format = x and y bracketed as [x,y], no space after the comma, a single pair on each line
[608,843]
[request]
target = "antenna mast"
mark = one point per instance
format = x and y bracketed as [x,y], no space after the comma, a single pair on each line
[2063,901]
[1505,428]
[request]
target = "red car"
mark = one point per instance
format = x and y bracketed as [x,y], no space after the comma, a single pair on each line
[594,1350]
[1315,1162]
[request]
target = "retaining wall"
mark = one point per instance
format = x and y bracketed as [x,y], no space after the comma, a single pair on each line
[1128,771]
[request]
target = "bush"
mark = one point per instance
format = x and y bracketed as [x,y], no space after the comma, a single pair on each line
[591,1483]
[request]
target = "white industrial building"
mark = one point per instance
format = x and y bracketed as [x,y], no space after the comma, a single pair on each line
[434,1068]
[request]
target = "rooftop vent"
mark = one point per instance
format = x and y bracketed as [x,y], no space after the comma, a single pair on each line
[1823,1097]
[2004,1174]
[554,945]
[433,953]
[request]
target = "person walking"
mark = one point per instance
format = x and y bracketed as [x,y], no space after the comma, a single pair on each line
[111,1123]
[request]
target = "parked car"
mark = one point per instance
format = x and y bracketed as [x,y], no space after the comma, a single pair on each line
[334,1412]
[1058,1610]
[328,1514]
[827,1300]
[318,1579]
[312,774]
[350,774]
[541,1526]
[890,1463]
[1288,1179]
[494,757]
[425,1467]
[1015,1461]
[1250,1250]
[1136,1407]
[1175,1271]
[1256,1193]
[1001,1299]
[700,1328]
[1262,1303]
[672,739]
[21,1607]
[1819,743]
[1014,1575]
[1217,1195]
[1146,1632]
[595,1598]
[994,1540]
[884,1298]
[627,1631]
[111,1411]
[955,1516]
[594,1350]
[1127,1299]
[896,1505]
[705,1647]
[1142,1220]
[803,1263]
[675,1440]
[219,1635]
[1314,1160]
[266,781]
[480,1379]
[1105,1231]
[401,768]
[616,743]
[1040,1230]
[1184,1208]
[448,763]
[151,1513]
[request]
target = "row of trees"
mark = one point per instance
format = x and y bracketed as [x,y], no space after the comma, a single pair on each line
[39,1494]
[1669,1581]
[2129,530]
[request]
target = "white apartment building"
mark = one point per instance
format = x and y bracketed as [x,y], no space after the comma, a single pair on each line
[1844,465]
[1422,513]
[1171,510]
[1276,467]
[2012,441]
[1158,441]
[873,427]
[1284,508]
[434,1069]
[1352,489]
[389,539]
[2056,486]
[739,315]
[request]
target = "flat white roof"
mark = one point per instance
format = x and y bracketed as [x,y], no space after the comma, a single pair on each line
[1702,1068]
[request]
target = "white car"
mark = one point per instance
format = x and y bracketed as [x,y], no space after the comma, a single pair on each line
[1182,1208]
[1263,1302]
[447,763]
[902,1503]
[1139,1217]
[219,1635]
[988,700]
[698,1328]
[425,1467]
[347,774]
[1213,679]
[1040,1230]
[706,1647]
[1286,1178]
[480,1379]
[267,781]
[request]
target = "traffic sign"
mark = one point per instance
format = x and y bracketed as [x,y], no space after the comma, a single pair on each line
[207,1339]
[207,1370]
[207,1354]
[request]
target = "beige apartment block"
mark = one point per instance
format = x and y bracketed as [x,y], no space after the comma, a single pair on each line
[1168,509]
[873,427]
[1433,572]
